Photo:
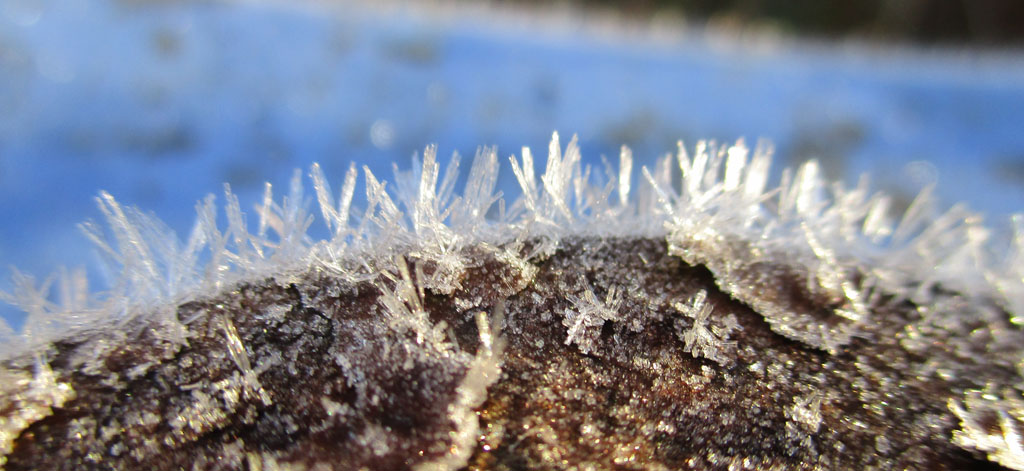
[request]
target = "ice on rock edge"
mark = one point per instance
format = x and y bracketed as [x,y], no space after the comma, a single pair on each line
[770,248]
[31,398]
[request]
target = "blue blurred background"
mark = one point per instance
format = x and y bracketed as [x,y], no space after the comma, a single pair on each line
[159,102]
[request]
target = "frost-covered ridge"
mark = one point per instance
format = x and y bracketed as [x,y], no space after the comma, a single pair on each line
[808,289]
[722,213]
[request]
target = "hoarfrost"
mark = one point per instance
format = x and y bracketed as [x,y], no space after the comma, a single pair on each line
[806,411]
[483,371]
[992,423]
[702,339]
[589,312]
[27,398]
[717,323]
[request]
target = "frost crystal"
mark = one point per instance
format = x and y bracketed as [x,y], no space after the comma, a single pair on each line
[588,312]
[702,339]
[697,319]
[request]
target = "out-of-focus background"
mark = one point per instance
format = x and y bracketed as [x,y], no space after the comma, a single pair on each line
[160,101]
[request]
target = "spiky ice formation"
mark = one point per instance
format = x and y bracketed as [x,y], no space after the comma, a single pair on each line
[696,320]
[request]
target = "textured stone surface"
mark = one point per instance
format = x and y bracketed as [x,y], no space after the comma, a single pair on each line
[615,355]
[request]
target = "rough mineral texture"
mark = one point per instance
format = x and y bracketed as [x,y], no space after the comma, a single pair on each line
[613,354]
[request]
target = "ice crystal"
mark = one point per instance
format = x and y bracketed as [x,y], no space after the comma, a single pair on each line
[694,319]
[993,425]
[702,339]
[589,312]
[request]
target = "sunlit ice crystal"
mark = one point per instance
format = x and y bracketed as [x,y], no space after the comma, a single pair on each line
[692,317]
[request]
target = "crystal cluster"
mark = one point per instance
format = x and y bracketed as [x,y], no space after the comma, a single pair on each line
[696,320]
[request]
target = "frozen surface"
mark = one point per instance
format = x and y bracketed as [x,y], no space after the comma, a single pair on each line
[717,322]
[695,310]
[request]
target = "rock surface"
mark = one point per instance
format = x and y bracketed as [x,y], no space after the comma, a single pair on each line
[613,354]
